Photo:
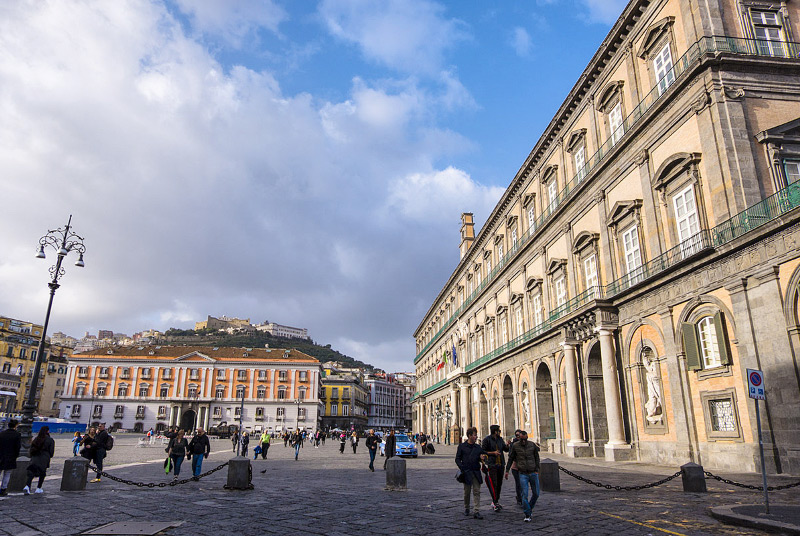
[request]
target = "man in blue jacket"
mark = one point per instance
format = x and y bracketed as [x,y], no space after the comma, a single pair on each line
[468,460]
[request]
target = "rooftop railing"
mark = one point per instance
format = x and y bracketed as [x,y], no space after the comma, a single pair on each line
[706,45]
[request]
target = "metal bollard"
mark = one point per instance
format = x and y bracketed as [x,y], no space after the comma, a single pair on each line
[694,478]
[238,473]
[395,474]
[74,476]
[549,478]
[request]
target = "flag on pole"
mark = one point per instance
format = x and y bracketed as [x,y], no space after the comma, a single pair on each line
[455,357]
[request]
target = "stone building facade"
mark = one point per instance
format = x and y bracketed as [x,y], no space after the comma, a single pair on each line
[142,387]
[644,256]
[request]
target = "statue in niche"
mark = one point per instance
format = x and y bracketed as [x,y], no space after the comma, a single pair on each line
[526,407]
[653,407]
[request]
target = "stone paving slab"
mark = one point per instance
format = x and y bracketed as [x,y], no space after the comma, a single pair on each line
[325,492]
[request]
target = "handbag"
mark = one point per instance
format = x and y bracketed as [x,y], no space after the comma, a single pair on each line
[460,476]
[168,465]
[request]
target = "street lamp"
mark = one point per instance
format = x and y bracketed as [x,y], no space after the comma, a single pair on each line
[297,403]
[63,240]
[438,425]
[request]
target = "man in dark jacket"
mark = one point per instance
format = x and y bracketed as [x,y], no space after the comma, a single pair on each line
[526,455]
[390,448]
[99,448]
[372,446]
[10,445]
[494,445]
[199,449]
[468,459]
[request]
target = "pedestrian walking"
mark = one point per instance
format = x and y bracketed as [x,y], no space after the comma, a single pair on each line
[468,459]
[177,450]
[76,443]
[423,443]
[515,470]
[199,449]
[526,455]
[342,441]
[10,445]
[235,439]
[494,445]
[265,440]
[323,439]
[372,443]
[297,440]
[354,442]
[43,447]
[99,448]
[285,439]
[245,443]
[389,449]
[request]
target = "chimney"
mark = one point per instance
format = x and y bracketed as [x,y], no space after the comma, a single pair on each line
[467,233]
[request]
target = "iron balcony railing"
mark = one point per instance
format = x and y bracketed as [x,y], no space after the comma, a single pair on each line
[704,46]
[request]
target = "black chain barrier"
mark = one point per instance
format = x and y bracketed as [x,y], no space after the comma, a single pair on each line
[749,486]
[620,488]
[159,484]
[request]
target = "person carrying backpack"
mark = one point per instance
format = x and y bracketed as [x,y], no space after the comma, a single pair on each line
[42,449]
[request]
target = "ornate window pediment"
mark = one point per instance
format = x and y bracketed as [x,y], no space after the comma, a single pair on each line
[673,167]
[785,133]
[498,238]
[623,209]
[575,139]
[584,240]
[487,254]
[608,96]
[501,309]
[515,297]
[653,36]
[533,284]
[527,199]
[510,221]
[555,264]
[549,173]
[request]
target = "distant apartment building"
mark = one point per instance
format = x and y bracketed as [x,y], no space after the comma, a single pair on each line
[387,400]
[344,398]
[19,344]
[62,339]
[222,322]
[409,382]
[140,387]
[278,330]
[105,334]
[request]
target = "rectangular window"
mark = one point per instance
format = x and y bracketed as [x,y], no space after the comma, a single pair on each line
[513,237]
[280,413]
[531,216]
[334,409]
[662,64]
[633,258]
[580,162]
[537,309]
[237,411]
[240,392]
[345,392]
[345,410]
[687,221]
[220,374]
[261,392]
[615,123]
[709,347]
[723,418]
[242,375]
[166,374]
[217,412]
[488,266]
[262,374]
[767,28]
[282,376]
[303,375]
[792,168]
[552,193]
[144,390]
[219,392]
[335,392]
[499,252]
[480,345]
[503,330]
[122,390]
[194,374]
[101,390]
[192,393]
[491,336]
[518,318]
[23,352]
[162,411]
[561,291]
[590,275]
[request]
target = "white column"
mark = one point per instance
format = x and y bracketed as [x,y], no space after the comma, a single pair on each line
[576,446]
[252,384]
[616,431]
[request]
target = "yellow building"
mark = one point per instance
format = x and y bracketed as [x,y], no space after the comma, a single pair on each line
[345,399]
[19,343]
[644,256]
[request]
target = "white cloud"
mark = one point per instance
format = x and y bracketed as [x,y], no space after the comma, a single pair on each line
[604,11]
[232,20]
[411,36]
[521,42]
[203,190]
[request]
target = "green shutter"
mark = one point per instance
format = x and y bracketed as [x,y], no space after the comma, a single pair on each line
[690,346]
[722,339]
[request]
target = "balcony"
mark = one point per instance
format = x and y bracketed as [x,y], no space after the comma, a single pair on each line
[75,414]
[216,416]
[259,417]
[118,415]
[140,416]
[709,46]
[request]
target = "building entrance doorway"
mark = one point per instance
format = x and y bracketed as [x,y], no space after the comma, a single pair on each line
[544,407]
[188,419]
[597,402]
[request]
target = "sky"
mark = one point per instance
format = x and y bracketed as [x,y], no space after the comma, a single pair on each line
[303,162]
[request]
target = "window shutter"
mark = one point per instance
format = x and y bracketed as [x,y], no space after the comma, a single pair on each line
[690,346]
[722,339]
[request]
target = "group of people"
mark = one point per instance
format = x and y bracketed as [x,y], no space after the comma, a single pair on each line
[179,448]
[475,460]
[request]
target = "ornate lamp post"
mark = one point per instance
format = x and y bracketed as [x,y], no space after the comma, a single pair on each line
[439,426]
[297,403]
[63,240]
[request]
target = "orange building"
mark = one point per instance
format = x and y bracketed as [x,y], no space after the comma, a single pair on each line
[143,387]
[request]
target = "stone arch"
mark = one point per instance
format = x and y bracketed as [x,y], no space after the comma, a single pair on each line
[630,340]
[791,300]
[545,406]
[524,393]
[483,409]
[595,399]
[508,414]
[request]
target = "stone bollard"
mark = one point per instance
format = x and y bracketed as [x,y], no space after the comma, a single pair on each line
[74,476]
[549,478]
[694,479]
[238,473]
[395,474]
[20,475]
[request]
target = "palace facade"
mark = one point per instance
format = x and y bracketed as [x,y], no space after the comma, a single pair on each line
[644,256]
[142,387]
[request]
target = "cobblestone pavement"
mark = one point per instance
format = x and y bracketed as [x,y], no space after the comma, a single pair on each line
[334,494]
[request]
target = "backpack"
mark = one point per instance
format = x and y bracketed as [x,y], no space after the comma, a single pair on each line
[109,442]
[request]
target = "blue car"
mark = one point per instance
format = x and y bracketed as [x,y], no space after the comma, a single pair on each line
[404,446]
